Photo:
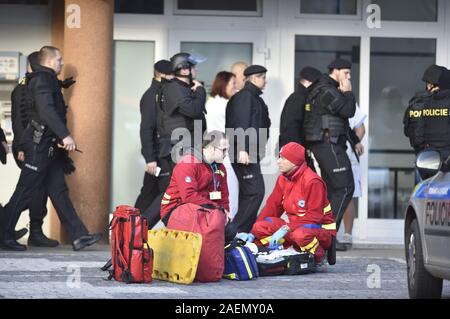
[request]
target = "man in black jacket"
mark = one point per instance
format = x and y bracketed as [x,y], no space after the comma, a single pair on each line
[246,111]
[292,116]
[150,190]
[180,114]
[22,110]
[414,119]
[42,141]
[329,106]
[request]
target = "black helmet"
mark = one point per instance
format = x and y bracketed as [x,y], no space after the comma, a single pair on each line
[444,80]
[432,74]
[182,60]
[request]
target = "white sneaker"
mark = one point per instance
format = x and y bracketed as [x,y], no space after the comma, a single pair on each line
[347,239]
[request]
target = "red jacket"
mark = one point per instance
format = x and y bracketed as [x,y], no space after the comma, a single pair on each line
[303,196]
[191,182]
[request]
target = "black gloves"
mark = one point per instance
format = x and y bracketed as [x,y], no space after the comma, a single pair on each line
[68,82]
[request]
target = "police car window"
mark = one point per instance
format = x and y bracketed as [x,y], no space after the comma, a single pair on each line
[408,10]
[344,7]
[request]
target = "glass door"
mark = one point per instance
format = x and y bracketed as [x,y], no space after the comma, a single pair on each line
[396,68]
[133,73]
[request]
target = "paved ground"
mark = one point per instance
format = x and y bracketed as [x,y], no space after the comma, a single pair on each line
[63,273]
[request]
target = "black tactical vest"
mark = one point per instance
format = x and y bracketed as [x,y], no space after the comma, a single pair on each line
[436,120]
[413,122]
[318,119]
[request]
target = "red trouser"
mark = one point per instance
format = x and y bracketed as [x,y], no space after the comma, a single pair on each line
[314,240]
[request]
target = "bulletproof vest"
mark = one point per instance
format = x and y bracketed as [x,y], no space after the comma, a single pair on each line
[26,109]
[318,118]
[436,120]
[167,116]
[413,122]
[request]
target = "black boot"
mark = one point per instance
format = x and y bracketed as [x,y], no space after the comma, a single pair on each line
[20,233]
[37,238]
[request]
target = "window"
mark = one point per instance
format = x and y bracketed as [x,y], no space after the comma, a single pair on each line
[219,57]
[336,7]
[319,51]
[219,7]
[139,6]
[408,10]
[396,69]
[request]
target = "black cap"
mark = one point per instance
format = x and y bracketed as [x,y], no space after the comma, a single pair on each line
[444,80]
[254,69]
[311,74]
[340,64]
[163,66]
[433,73]
[33,59]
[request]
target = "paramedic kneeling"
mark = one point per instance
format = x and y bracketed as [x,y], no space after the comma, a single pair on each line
[302,194]
[200,178]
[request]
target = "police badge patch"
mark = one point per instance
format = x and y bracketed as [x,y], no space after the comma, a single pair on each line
[301,203]
[188,179]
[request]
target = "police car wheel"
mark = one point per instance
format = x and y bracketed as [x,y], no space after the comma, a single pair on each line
[420,283]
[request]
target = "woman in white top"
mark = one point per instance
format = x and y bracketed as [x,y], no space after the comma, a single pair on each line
[223,88]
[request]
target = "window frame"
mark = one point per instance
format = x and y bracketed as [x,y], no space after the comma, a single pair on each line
[226,13]
[357,16]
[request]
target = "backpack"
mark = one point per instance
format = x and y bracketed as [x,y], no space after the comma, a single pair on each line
[210,223]
[240,263]
[131,257]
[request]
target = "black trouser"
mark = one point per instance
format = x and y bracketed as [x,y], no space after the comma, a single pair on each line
[40,170]
[38,205]
[251,194]
[336,171]
[155,193]
[149,192]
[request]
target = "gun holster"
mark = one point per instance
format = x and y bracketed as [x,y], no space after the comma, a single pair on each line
[38,131]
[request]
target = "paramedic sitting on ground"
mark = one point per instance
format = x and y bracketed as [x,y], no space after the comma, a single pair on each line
[302,194]
[200,178]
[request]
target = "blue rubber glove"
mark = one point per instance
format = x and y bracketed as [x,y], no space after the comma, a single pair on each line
[280,233]
[248,237]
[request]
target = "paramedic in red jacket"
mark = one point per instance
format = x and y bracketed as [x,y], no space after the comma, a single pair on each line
[199,179]
[302,194]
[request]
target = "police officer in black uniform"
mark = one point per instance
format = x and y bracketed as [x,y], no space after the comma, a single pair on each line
[21,112]
[180,114]
[247,110]
[150,189]
[330,104]
[42,140]
[427,118]
[414,118]
[292,116]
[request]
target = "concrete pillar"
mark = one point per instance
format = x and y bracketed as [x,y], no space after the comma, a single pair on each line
[88,56]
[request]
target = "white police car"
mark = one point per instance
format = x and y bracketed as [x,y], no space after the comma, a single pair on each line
[427,228]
